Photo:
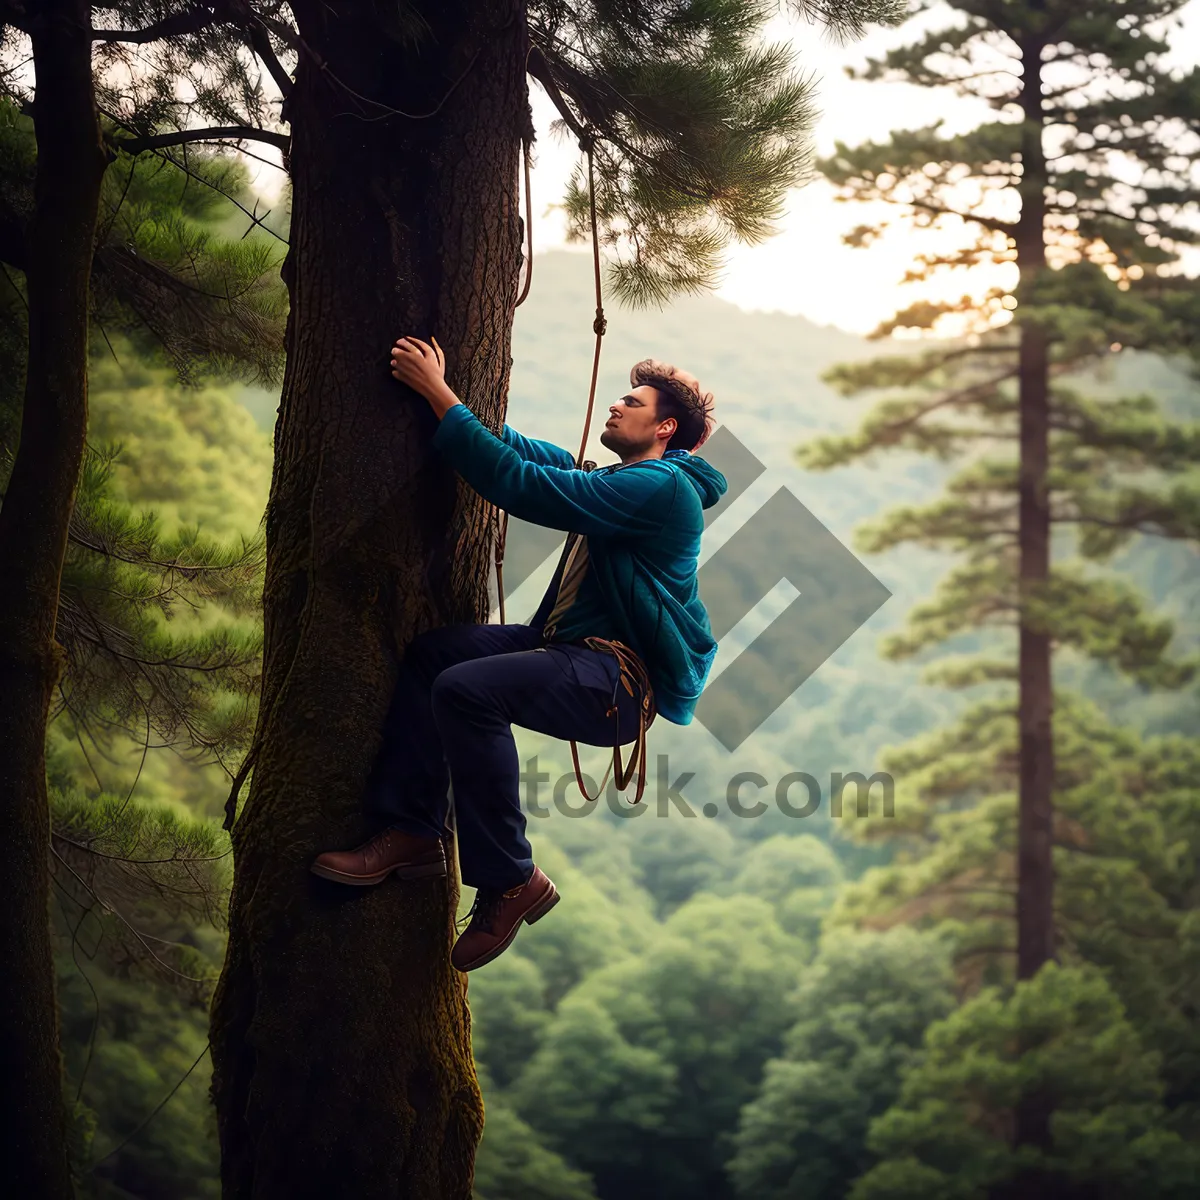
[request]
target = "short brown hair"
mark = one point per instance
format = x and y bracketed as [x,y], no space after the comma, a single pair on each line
[692,409]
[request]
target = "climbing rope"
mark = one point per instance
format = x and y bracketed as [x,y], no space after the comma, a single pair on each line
[599,325]
[502,517]
[599,328]
[631,671]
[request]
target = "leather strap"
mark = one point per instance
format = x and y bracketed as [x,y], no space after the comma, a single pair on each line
[632,675]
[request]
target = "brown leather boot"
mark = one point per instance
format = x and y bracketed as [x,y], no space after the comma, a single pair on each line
[392,851]
[496,917]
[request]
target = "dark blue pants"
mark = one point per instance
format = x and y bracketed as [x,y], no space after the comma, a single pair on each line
[460,690]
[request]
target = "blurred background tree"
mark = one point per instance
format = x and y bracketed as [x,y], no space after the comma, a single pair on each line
[1081,101]
[158,622]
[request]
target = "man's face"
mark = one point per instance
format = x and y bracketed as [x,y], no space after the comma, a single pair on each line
[633,426]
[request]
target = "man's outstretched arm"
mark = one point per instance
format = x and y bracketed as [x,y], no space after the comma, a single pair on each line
[631,503]
[545,454]
[429,379]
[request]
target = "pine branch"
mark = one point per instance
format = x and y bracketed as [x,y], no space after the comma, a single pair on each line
[140,937]
[1008,228]
[539,68]
[849,19]
[260,43]
[697,130]
[199,178]
[138,145]
[191,21]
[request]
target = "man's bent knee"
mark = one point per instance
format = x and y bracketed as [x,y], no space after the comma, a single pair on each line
[453,687]
[427,653]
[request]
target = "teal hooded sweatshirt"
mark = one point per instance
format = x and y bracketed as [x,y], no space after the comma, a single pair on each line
[642,523]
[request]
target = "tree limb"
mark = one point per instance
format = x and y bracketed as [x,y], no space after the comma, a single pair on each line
[260,43]
[204,17]
[137,145]
[539,68]
[191,21]
[1006,227]
[182,166]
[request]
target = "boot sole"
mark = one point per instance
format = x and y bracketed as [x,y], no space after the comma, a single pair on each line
[410,871]
[535,914]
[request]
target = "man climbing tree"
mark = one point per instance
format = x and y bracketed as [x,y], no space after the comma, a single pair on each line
[620,633]
[406,129]
[406,132]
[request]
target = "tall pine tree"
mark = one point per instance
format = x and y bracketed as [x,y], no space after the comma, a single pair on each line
[158,281]
[1081,106]
[406,133]
[33,538]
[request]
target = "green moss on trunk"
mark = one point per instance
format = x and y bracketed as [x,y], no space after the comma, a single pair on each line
[341,1047]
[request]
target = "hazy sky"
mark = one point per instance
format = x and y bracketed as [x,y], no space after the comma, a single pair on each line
[805,268]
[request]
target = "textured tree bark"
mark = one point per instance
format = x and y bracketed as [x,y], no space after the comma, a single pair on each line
[1035,883]
[1035,704]
[33,539]
[340,1033]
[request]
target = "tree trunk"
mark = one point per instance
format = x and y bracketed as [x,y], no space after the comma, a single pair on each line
[33,540]
[1035,881]
[1035,848]
[340,1033]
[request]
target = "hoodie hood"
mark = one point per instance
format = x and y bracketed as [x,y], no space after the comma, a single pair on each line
[709,483]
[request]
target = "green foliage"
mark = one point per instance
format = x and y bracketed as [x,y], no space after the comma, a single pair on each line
[213,59]
[865,1003]
[643,1070]
[591,1092]
[797,873]
[1081,187]
[130,661]
[192,456]
[159,622]
[676,859]
[145,1043]
[1117,468]
[141,895]
[699,128]
[1127,846]
[512,1164]
[509,1016]
[166,278]
[128,849]
[596,930]
[209,305]
[1107,95]
[163,645]
[1062,1034]
[775,868]
[161,634]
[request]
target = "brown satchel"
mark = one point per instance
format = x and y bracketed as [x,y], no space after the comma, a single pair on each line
[632,674]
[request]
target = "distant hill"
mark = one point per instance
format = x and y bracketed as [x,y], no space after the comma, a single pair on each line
[764,368]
